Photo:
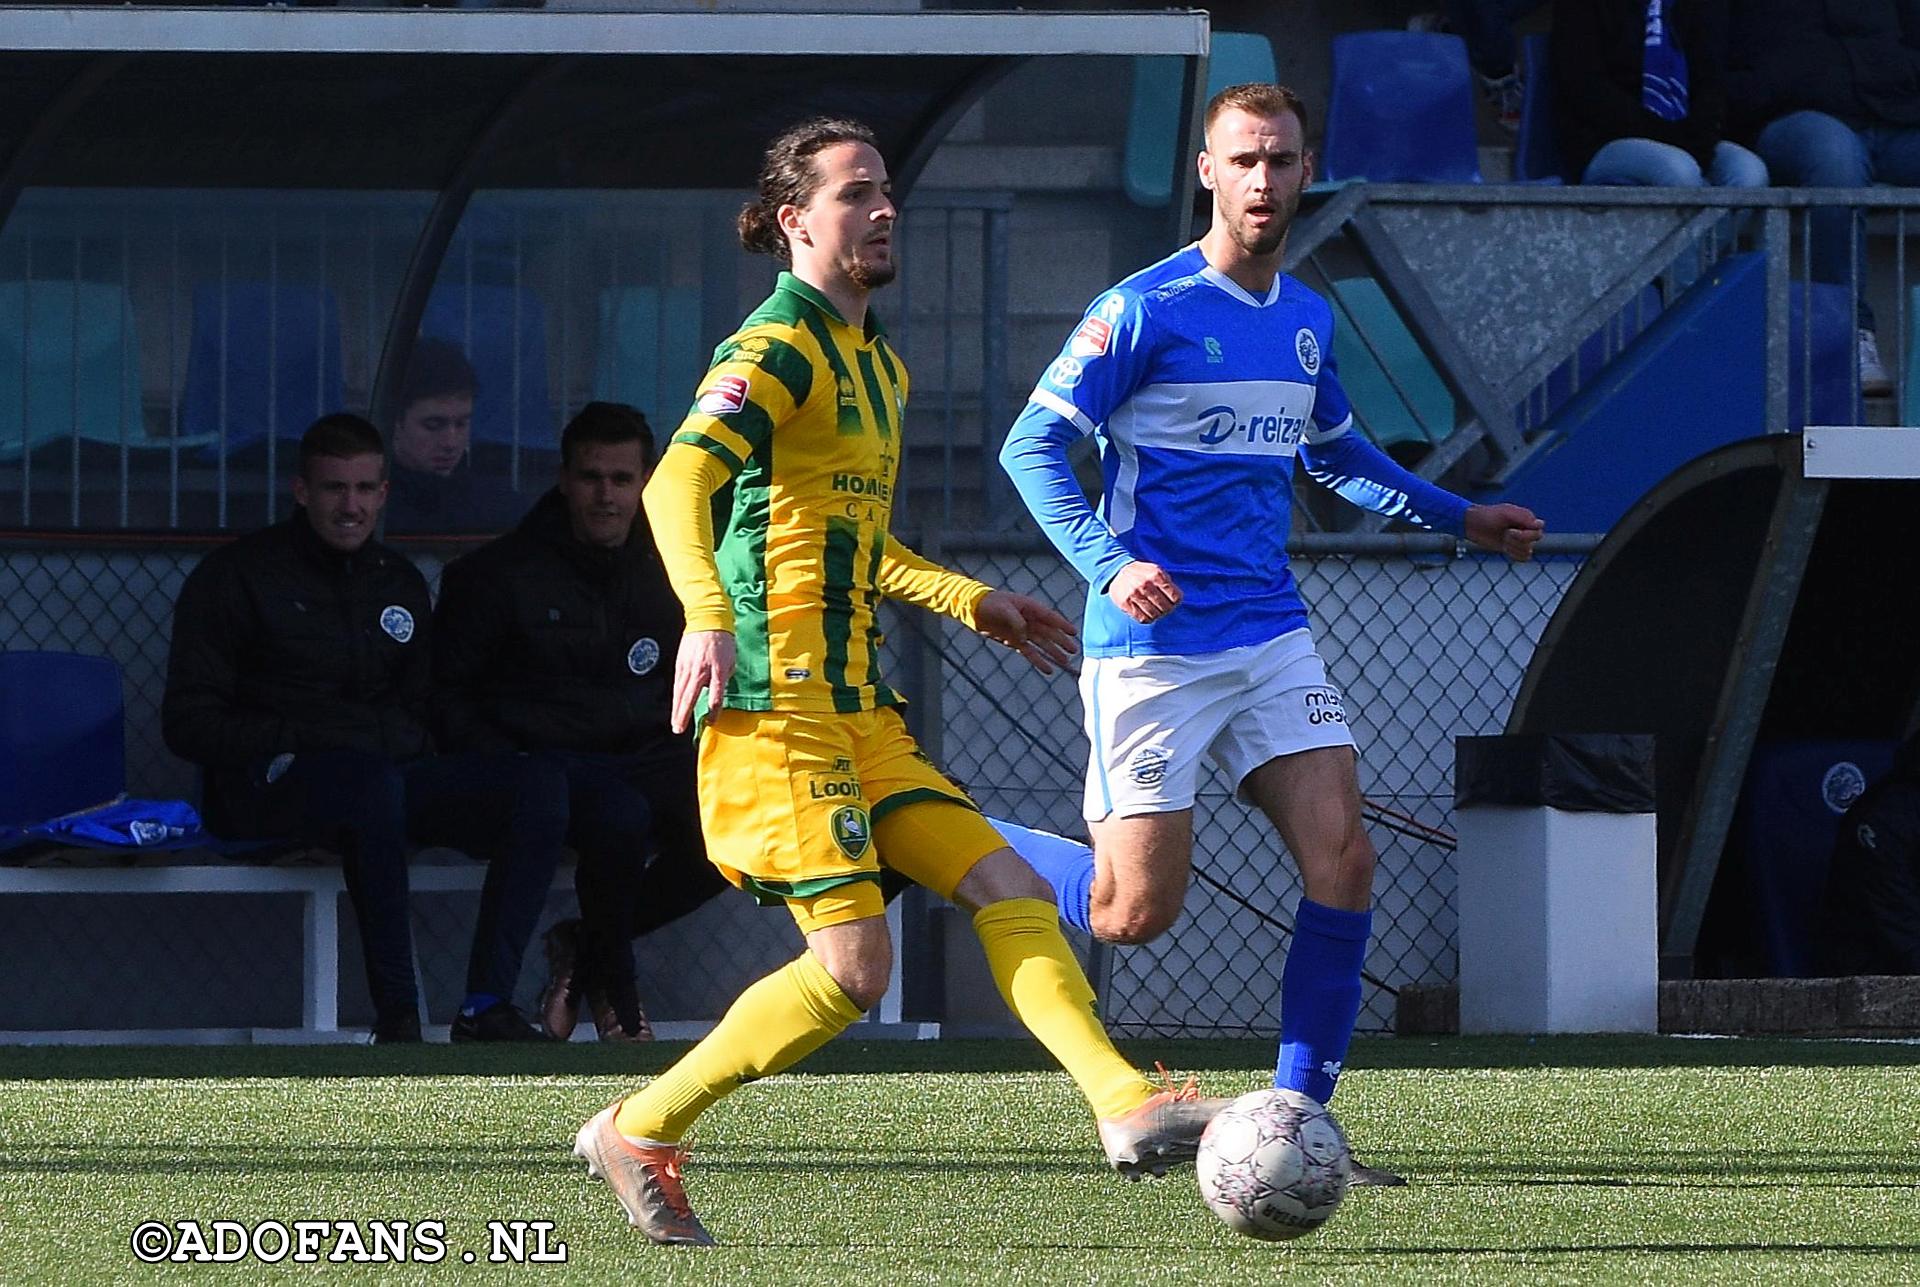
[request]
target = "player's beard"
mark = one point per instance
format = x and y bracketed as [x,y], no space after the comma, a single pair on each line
[1267,240]
[871,276]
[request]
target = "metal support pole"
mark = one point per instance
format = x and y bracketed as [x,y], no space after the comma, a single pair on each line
[1776,240]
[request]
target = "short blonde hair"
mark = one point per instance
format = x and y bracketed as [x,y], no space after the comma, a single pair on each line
[1257,98]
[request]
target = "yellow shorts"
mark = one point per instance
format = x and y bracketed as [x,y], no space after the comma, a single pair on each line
[803,808]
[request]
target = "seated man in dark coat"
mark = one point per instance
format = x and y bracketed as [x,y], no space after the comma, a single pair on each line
[299,679]
[1870,919]
[560,637]
[436,490]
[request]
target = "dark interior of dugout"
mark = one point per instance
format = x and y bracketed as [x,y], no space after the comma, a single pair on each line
[1738,605]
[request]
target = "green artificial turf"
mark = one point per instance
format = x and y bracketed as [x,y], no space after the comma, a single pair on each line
[1615,1159]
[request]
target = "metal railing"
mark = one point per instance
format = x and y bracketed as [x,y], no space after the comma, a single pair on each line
[1516,298]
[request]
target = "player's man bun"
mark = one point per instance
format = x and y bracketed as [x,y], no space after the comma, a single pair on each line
[788,178]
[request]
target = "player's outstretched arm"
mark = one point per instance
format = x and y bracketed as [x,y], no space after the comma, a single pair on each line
[1512,530]
[1037,632]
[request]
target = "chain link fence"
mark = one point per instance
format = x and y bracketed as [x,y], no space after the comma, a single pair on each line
[232,961]
[1426,643]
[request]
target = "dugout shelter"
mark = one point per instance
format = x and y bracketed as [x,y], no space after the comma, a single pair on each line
[279,176]
[1754,611]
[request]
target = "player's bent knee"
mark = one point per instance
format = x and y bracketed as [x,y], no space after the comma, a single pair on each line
[1001,875]
[859,957]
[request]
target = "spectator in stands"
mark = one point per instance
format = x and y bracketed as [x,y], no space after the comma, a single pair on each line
[1640,94]
[1487,27]
[1831,91]
[560,637]
[1870,922]
[435,488]
[299,680]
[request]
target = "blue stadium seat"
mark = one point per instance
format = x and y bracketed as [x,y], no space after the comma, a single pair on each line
[1536,153]
[1789,816]
[263,359]
[61,741]
[69,365]
[1401,110]
[503,331]
[1420,409]
[1237,57]
[648,354]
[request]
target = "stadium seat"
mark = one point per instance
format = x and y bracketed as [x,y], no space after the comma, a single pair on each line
[1400,110]
[69,365]
[503,331]
[61,741]
[263,359]
[1236,58]
[1536,153]
[648,354]
[1369,341]
[1789,816]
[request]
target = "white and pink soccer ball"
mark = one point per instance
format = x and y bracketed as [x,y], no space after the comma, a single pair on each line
[1273,1164]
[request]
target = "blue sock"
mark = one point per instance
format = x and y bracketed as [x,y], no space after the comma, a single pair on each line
[1320,997]
[1065,864]
[478,1003]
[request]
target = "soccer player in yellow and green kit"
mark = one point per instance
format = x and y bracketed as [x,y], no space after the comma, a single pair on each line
[809,781]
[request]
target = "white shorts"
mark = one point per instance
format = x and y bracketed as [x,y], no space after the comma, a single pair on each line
[1151,719]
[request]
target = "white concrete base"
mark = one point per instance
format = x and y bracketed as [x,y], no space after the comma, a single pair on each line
[1559,924]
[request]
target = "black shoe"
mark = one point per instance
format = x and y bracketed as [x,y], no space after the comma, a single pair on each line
[617,1015]
[400,1028]
[560,998]
[1365,1176]
[499,1022]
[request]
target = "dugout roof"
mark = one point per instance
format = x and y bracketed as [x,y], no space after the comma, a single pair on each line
[342,99]
[453,101]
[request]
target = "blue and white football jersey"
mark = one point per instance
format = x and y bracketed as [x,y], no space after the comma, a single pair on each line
[1200,397]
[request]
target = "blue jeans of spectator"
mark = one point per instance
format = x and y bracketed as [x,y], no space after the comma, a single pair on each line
[1814,150]
[1487,27]
[1644,162]
[634,822]
[504,808]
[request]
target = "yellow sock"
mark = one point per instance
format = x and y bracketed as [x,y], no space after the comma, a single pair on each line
[776,1023]
[1044,985]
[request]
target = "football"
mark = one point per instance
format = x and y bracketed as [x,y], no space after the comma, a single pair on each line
[1273,1164]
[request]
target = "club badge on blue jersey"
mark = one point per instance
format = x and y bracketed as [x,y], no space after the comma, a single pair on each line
[1308,350]
[397,622]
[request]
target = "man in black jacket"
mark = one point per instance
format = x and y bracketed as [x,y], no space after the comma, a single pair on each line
[1832,89]
[1870,917]
[299,679]
[435,488]
[560,637]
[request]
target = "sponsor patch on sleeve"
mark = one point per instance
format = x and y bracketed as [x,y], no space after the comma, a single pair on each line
[1092,338]
[727,394]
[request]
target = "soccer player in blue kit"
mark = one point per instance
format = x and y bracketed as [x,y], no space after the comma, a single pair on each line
[1203,378]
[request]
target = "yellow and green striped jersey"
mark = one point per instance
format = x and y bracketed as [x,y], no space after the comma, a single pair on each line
[804,414]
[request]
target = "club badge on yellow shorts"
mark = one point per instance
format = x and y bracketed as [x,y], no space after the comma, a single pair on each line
[851,831]
[798,803]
